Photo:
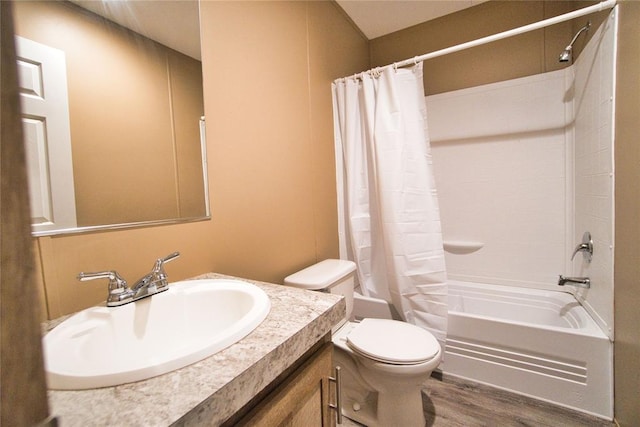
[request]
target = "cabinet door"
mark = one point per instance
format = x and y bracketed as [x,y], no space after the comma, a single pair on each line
[302,400]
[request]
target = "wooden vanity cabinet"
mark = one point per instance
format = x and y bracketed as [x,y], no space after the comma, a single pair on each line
[302,399]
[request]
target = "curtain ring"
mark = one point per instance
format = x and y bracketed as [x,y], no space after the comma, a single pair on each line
[395,67]
[415,60]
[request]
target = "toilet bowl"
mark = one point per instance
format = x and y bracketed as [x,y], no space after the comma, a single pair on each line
[384,362]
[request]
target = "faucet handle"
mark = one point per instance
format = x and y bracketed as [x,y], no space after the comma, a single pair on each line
[117,285]
[168,258]
[115,280]
[586,246]
[160,262]
[158,268]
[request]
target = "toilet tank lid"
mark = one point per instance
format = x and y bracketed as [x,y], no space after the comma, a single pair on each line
[321,275]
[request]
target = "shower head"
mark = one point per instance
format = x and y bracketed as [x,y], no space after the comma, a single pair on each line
[565,56]
[567,53]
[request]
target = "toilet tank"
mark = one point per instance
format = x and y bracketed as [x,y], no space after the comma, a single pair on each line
[335,276]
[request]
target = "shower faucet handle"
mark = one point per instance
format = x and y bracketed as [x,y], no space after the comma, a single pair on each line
[586,247]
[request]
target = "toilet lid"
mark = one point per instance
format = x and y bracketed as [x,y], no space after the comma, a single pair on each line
[392,341]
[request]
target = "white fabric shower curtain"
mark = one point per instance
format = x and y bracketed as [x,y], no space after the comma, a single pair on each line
[392,218]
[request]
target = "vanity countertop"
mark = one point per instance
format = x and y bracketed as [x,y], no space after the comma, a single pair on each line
[210,391]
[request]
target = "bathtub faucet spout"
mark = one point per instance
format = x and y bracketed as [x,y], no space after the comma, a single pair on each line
[582,282]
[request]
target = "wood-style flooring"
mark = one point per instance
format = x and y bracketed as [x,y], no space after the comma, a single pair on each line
[452,402]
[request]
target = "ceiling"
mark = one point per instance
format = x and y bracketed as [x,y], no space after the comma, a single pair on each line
[172,23]
[175,23]
[377,18]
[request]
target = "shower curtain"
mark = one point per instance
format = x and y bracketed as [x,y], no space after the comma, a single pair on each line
[391,206]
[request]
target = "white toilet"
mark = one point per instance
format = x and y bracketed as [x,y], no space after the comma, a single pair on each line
[384,362]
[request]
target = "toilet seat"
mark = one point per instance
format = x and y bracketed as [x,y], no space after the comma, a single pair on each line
[392,341]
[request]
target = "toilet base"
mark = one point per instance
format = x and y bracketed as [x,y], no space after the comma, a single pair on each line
[399,405]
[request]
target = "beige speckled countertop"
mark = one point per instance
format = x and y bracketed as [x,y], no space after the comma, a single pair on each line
[210,391]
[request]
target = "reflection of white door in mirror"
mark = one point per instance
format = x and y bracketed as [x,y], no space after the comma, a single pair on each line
[45,117]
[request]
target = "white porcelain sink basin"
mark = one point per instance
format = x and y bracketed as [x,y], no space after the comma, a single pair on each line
[101,347]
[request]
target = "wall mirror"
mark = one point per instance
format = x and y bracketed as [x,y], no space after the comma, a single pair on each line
[113,113]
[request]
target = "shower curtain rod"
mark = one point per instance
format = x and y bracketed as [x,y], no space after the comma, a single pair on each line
[605,4]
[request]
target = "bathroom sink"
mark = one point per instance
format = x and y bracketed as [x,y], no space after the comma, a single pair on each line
[193,319]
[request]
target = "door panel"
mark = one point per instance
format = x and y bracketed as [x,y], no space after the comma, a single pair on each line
[45,117]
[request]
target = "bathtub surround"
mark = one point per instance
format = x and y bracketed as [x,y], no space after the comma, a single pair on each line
[540,150]
[389,205]
[591,81]
[500,161]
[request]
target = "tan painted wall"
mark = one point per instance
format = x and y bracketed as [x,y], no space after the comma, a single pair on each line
[627,219]
[267,71]
[523,55]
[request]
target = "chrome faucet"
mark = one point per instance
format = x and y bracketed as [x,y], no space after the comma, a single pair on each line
[150,284]
[582,282]
[586,247]
[154,282]
[118,291]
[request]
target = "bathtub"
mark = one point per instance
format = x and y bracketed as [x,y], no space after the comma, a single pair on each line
[541,344]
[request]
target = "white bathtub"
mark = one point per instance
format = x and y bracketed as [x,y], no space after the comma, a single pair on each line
[542,344]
